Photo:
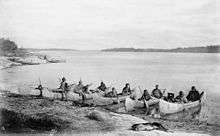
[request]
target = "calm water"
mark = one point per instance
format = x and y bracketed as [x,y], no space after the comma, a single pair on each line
[173,71]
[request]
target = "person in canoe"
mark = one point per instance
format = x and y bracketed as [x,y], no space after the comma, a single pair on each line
[193,95]
[126,90]
[181,98]
[64,88]
[112,93]
[157,92]
[145,97]
[170,97]
[102,87]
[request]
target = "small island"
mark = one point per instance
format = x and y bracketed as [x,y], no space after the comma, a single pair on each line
[11,55]
[205,49]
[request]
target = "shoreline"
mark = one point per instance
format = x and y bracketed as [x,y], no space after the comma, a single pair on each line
[103,121]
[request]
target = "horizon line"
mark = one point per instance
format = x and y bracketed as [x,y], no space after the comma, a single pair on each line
[117,48]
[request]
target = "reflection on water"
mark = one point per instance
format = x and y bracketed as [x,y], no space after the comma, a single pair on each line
[173,71]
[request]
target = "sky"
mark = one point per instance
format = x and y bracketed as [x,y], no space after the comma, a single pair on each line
[100,24]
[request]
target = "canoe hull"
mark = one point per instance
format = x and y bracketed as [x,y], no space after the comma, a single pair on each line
[175,111]
[187,114]
[170,108]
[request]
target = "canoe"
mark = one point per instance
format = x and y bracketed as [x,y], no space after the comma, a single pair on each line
[167,108]
[131,104]
[171,108]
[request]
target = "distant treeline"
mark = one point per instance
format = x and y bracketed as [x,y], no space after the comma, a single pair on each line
[10,48]
[49,49]
[207,49]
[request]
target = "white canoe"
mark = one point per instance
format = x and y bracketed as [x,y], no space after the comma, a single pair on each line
[171,108]
[131,104]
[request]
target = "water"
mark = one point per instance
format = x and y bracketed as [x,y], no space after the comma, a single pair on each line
[173,71]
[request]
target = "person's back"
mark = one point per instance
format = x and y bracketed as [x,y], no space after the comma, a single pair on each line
[157,93]
[193,95]
[102,87]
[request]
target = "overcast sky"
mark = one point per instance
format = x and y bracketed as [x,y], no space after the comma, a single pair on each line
[98,24]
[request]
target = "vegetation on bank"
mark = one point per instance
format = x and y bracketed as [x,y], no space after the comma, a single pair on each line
[9,48]
[206,49]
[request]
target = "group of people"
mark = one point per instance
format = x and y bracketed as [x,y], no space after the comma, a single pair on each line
[192,96]
[84,89]
[81,89]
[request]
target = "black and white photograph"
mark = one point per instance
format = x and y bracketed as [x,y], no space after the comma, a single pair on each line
[110,67]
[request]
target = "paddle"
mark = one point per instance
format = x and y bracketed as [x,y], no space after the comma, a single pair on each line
[39,81]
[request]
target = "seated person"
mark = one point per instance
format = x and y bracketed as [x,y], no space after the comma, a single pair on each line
[193,95]
[181,98]
[170,97]
[102,87]
[113,93]
[146,96]
[126,90]
[157,92]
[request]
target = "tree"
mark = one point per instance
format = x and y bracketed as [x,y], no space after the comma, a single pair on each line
[7,45]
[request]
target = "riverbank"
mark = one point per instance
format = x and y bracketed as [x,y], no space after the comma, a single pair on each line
[30,114]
